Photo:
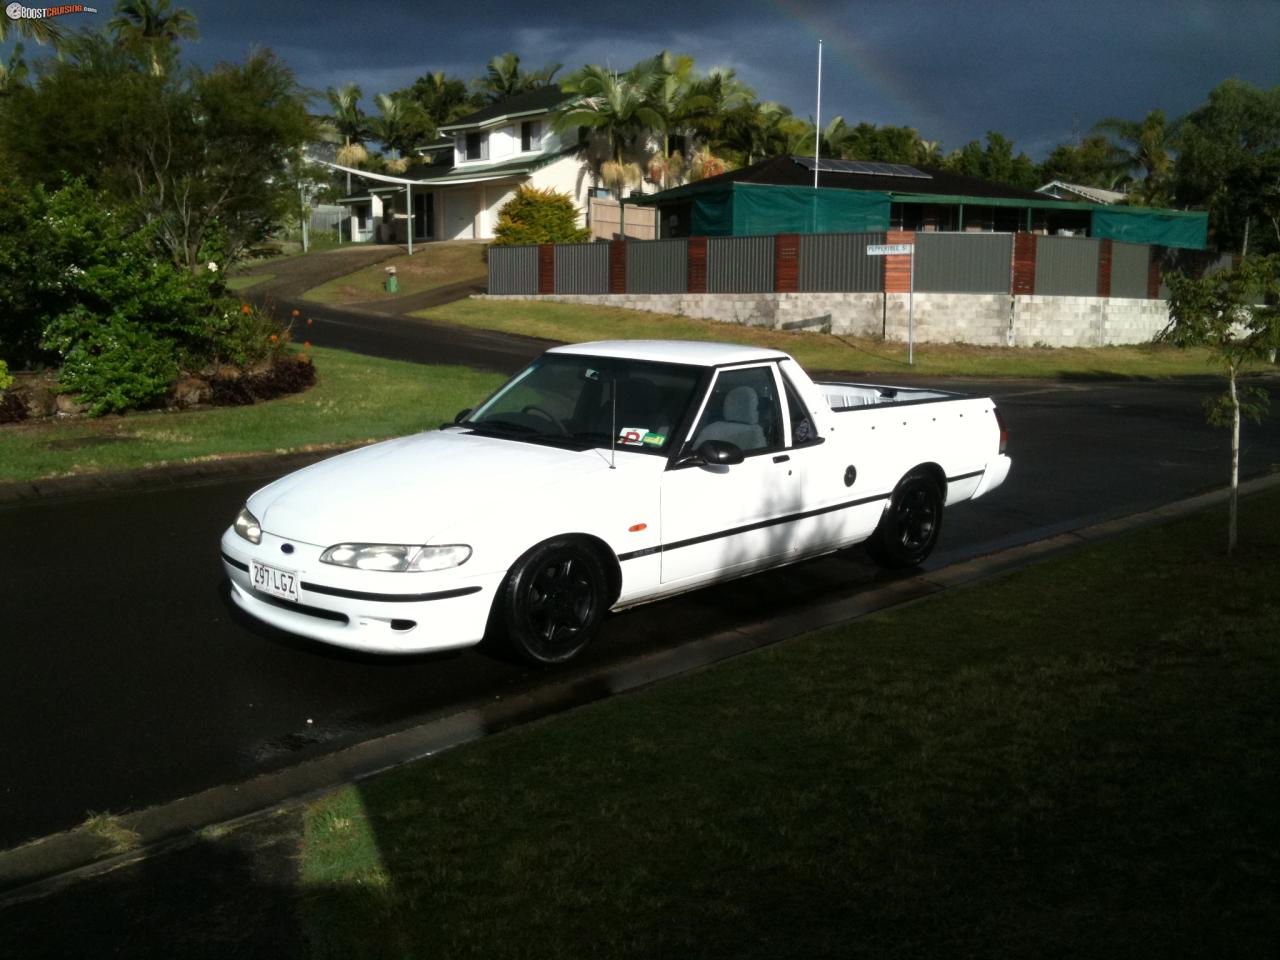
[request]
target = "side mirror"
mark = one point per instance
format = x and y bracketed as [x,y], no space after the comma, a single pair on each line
[462,415]
[713,453]
[720,453]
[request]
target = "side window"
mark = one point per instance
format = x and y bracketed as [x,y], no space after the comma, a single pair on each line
[744,410]
[802,428]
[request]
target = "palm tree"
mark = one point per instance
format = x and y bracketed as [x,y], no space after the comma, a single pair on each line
[503,78]
[401,124]
[14,73]
[445,99]
[1144,146]
[40,30]
[621,106]
[347,119]
[150,28]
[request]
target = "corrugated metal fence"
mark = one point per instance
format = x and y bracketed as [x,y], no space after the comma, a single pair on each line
[963,262]
[838,263]
[513,270]
[1067,266]
[740,265]
[1130,265]
[658,266]
[582,268]
[944,263]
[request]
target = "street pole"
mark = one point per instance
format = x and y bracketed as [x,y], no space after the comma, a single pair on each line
[408,203]
[911,310]
[817,122]
[302,206]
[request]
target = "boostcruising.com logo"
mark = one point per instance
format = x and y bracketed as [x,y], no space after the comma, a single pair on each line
[16,11]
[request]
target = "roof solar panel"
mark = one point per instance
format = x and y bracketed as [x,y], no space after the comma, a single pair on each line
[864,167]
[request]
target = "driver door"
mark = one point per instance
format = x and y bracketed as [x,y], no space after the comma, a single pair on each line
[718,520]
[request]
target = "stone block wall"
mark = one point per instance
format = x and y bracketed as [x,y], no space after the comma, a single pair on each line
[980,319]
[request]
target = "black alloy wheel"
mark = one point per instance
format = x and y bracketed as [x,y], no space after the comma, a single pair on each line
[909,528]
[553,600]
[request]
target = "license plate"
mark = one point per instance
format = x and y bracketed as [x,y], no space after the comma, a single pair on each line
[273,580]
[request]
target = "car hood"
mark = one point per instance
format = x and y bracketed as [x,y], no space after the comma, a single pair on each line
[403,491]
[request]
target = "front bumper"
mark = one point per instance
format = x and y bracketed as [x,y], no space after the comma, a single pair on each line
[362,609]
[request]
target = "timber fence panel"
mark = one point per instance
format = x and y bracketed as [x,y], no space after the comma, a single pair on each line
[582,268]
[658,266]
[963,262]
[1130,266]
[838,263]
[513,270]
[740,264]
[1068,266]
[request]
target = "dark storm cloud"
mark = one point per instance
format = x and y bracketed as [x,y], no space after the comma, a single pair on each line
[953,70]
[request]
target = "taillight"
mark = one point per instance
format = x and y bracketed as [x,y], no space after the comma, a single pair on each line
[1004,431]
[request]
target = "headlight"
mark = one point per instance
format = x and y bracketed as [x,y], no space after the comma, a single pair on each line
[395,557]
[248,527]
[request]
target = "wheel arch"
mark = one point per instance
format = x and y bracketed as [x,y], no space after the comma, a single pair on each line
[932,470]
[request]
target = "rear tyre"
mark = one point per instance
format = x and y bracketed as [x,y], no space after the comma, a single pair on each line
[552,601]
[909,528]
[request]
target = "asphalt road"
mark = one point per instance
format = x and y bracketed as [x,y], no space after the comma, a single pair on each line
[127,678]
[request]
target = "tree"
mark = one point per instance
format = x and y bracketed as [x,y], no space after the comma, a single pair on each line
[401,124]
[202,158]
[1234,315]
[620,106]
[995,161]
[503,78]
[443,99]
[539,216]
[150,30]
[1144,147]
[347,119]
[40,29]
[1229,163]
[1094,162]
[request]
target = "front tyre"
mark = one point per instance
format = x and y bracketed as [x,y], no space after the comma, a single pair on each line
[552,601]
[909,528]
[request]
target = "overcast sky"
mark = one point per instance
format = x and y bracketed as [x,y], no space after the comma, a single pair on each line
[953,70]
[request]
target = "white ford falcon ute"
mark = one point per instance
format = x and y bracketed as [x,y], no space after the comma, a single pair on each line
[602,476]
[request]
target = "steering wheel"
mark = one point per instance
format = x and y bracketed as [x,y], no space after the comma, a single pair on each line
[547,415]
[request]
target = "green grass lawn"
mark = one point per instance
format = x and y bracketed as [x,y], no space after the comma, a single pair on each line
[1078,760]
[576,323]
[355,398]
[432,265]
[244,281]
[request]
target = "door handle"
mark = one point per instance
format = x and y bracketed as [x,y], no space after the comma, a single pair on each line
[781,458]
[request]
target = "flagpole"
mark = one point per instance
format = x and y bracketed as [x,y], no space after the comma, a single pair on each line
[817,126]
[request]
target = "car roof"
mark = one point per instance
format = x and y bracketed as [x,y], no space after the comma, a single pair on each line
[695,352]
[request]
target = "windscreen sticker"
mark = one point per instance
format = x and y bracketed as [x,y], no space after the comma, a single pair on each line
[654,439]
[632,435]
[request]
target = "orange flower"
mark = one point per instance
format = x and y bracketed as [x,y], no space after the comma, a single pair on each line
[273,338]
[296,313]
[246,309]
[306,344]
[309,321]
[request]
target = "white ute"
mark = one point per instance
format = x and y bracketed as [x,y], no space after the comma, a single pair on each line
[602,476]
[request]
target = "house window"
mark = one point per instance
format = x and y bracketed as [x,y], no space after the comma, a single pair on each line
[477,146]
[530,135]
[362,218]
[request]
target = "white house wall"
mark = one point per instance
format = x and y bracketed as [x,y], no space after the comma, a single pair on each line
[566,175]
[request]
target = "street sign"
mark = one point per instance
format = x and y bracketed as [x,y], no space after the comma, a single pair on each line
[888,249]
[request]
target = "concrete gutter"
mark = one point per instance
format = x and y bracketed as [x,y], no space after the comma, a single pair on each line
[51,863]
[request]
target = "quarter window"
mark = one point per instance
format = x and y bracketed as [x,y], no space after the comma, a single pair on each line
[802,428]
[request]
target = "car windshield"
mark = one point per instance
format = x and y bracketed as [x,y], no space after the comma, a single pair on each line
[570,399]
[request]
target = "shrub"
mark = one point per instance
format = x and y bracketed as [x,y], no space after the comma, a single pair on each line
[539,216]
[285,375]
[6,381]
[116,366]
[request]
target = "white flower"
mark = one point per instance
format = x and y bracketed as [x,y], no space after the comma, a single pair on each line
[213,267]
